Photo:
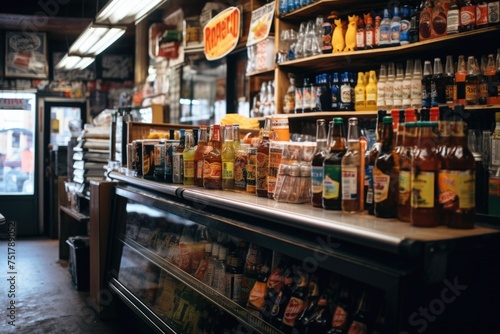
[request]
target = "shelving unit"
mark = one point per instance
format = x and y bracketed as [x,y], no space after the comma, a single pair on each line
[71,223]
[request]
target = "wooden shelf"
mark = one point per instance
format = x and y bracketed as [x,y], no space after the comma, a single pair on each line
[74,214]
[267,71]
[324,7]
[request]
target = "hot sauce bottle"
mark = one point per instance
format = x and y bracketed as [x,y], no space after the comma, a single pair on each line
[424,168]
[212,165]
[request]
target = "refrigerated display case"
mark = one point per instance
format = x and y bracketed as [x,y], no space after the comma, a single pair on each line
[380,274]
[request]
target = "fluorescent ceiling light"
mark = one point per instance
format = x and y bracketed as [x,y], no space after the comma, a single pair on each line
[95,39]
[74,62]
[126,11]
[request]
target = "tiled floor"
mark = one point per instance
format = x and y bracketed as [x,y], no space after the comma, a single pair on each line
[42,298]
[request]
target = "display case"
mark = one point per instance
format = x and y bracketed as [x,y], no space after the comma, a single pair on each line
[291,268]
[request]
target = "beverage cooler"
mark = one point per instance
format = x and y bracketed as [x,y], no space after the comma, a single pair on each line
[190,260]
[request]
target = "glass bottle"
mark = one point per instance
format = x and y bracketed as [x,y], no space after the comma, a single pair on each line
[494,165]
[460,79]
[289,99]
[453,18]
[482,84]
[335,92]
[385,29]
[370,161]
[427,85]
[360,94]
[406,90]
[177,159]
[398,87]
[212,165]
[220,271]
[456,180]
[371,91]
[342,314]
[188,158]
[491,80]
[405,25]
[405,157]
[345,93]
[471,83]
[481,14]
[389,86]
[386,175]
[321,152]
[240,160]
[350,169]
[376,32]
[414,22]
[361,318]
[424,167]
[416,85]
[396,27]
[450,86]
[381,88]
[198,156]
[332,173]
[227,156]
[360,34]
[263,160]
[369,32]
[424,28]
[296,304]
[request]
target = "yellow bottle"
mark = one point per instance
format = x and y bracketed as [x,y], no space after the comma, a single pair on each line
[371,92]
[359,93]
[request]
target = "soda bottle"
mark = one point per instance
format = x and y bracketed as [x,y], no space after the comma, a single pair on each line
[398,87]
[370,161]
[350,169]
[389,86]
[212,165]
[227,156]
[405,158]
[471,83]
[332,174]
[320,153]
[482,83]
[416,85]
[460,79]
[427,85]
[491,80]
[450,86]
[188,158]
[438,93]
[381,88]
[198,155]
[406,89]
[263,160]
[467,16]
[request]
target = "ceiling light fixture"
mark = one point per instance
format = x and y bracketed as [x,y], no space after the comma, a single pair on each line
[126,11]
[95,39]
[74,62]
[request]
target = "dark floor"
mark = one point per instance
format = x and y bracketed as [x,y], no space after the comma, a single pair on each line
[42,298]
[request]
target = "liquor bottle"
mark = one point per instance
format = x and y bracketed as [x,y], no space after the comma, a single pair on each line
[405,25]
[263,160]
[398,87]
[350,169]
[406,89]
[188,158]
[438,19]
[320,154]
[343,312]
[369,32]
[345,93]
[427,85]
[177,159]
[450,86]
[227,156]
[481,14]
[424,167]
[360,34]
[471,83]
[389,86]
[371,91]
[405,157]
[385,29]
[482,82]
[219,281]
[376,32]
[212,165]
[360,319]
[456,179]
[198,156]
[493,11]
[360,94]
[396,27]
[381,88]
[335,92]
[416,85]
[438,93]
[424,27]
[370,161]
[491,80]
[467,16]
[414,22]
[453,18]
[386,175]
[332,172]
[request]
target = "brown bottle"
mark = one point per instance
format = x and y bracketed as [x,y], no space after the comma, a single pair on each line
[351,163]
[321,152]
[460,79]
[263,160]
[456,180]
[198,156]
[405,157]
[471,83]
[212,165]
[386,175]
[424,168]
[443,148]
[332,176]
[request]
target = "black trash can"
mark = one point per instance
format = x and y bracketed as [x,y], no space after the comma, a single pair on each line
[79,262]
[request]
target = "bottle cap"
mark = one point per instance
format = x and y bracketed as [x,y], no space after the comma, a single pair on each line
[338,120]
[387,120]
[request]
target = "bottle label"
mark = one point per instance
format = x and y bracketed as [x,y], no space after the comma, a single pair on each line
[188,168]
[483,90]
[380,90]
[212,170]
[327,37]
[345,93]
[360,97]
[416,89]
[439,19]
[380,185]
[349,183]
[262,168]
[493,11]
[360,39]
[404,35]
[395,33]
[453,21]
[371,98]
[377,36]
[468,15]
[471,93]
[369,38]
[240,171]
[339,317]
[404,187]
[219,279]
[457,189]
[451,93]
[317,179]
[422,190]
[298,98]
[482,14]
[357,328]
[495,152]
[331,181]
[369,184]
[306,97]
[227,170]
[335,97]
[177,167]
[199,169]
[385,35]
[406,90]
[397,92]
[293,309]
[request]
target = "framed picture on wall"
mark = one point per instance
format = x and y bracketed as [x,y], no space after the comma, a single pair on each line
[117,67]
[26,55]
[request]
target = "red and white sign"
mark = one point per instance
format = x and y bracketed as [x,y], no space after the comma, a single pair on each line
[221,34]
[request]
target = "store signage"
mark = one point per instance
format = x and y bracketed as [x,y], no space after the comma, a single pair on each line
[260,25]
[221,34]
[22,104]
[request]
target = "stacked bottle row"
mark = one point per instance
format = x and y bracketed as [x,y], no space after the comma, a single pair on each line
[410,22]
[275,287]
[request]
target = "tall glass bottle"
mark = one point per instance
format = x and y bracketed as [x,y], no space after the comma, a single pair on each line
[198,155]
[405,157]
[471,83]
[335,92]
[456,180]
[350,169]
[321,152]
[467,16]
[263,160]
[396,27]
[416,85]
[398,87]
[371,91]
[424,167]
[386,175]
[370,161]
[360,94]
[177,159]
[212,165]
[332,172]
[427,85]
[381,88]
[228,158]
[460,79]
[491,80]
[453,18]
[450,86]
[385,29]
[345,93]
[389,86]
[406,90]
[188,158]
[482,84]
[240,160]
[437,84]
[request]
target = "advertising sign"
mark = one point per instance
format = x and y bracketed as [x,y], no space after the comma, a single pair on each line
[221,34]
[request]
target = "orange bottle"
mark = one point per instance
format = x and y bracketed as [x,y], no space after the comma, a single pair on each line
[212,165]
